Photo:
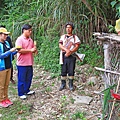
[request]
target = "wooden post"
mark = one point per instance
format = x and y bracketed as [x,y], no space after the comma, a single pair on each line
[106,47]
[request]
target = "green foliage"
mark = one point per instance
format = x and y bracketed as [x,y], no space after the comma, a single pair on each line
[63,101]
[48,19]
[48,89]
[18,110]
[78,115]
[45,14]
[107,97]
[116,5]
[72,100]
[111,28]
[91,83]
[48,54]
[92,55]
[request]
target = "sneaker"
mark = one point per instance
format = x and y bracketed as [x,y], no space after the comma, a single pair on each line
[3,104]
[23,97]
[30,92]
[8,102]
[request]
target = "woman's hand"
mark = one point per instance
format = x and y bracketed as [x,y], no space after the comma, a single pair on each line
[13,49]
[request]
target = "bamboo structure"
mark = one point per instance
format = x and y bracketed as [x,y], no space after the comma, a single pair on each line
[111,70]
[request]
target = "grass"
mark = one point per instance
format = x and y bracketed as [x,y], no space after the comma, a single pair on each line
[19,110]
[16,111]
[78,115]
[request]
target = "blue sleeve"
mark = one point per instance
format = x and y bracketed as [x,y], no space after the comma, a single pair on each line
[13,53]
[4,55]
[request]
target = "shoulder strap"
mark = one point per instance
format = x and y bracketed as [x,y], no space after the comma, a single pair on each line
[74,38]
[7,44]
[65,36]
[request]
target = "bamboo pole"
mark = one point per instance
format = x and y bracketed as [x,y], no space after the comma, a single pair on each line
[108,71]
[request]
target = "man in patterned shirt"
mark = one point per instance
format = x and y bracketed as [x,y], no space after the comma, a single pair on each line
[68,45]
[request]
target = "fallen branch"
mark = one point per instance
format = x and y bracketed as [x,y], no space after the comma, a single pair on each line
[93,116]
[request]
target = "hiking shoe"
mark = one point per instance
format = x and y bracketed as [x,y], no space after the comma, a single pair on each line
[4,104]
[8,102]
[31,92]
[23,97]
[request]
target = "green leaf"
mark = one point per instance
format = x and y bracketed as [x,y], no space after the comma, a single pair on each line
[113,3]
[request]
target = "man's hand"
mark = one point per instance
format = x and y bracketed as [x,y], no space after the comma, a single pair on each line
[33,49]
[68,53]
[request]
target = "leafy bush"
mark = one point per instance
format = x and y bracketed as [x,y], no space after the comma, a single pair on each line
[48,54]
[116,5]
[92,55]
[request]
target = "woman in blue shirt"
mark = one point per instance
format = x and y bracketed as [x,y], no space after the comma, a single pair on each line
[5,67]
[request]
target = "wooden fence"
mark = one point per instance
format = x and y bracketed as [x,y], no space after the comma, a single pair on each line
[111,71]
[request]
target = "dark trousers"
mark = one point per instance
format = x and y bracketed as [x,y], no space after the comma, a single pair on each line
[68,66]
[25,74]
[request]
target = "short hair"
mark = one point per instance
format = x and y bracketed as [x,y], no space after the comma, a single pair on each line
[26,27]
[69,23]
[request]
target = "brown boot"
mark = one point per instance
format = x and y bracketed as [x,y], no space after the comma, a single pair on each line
[12,81]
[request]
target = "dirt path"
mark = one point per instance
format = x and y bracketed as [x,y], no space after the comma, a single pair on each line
[51,104]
